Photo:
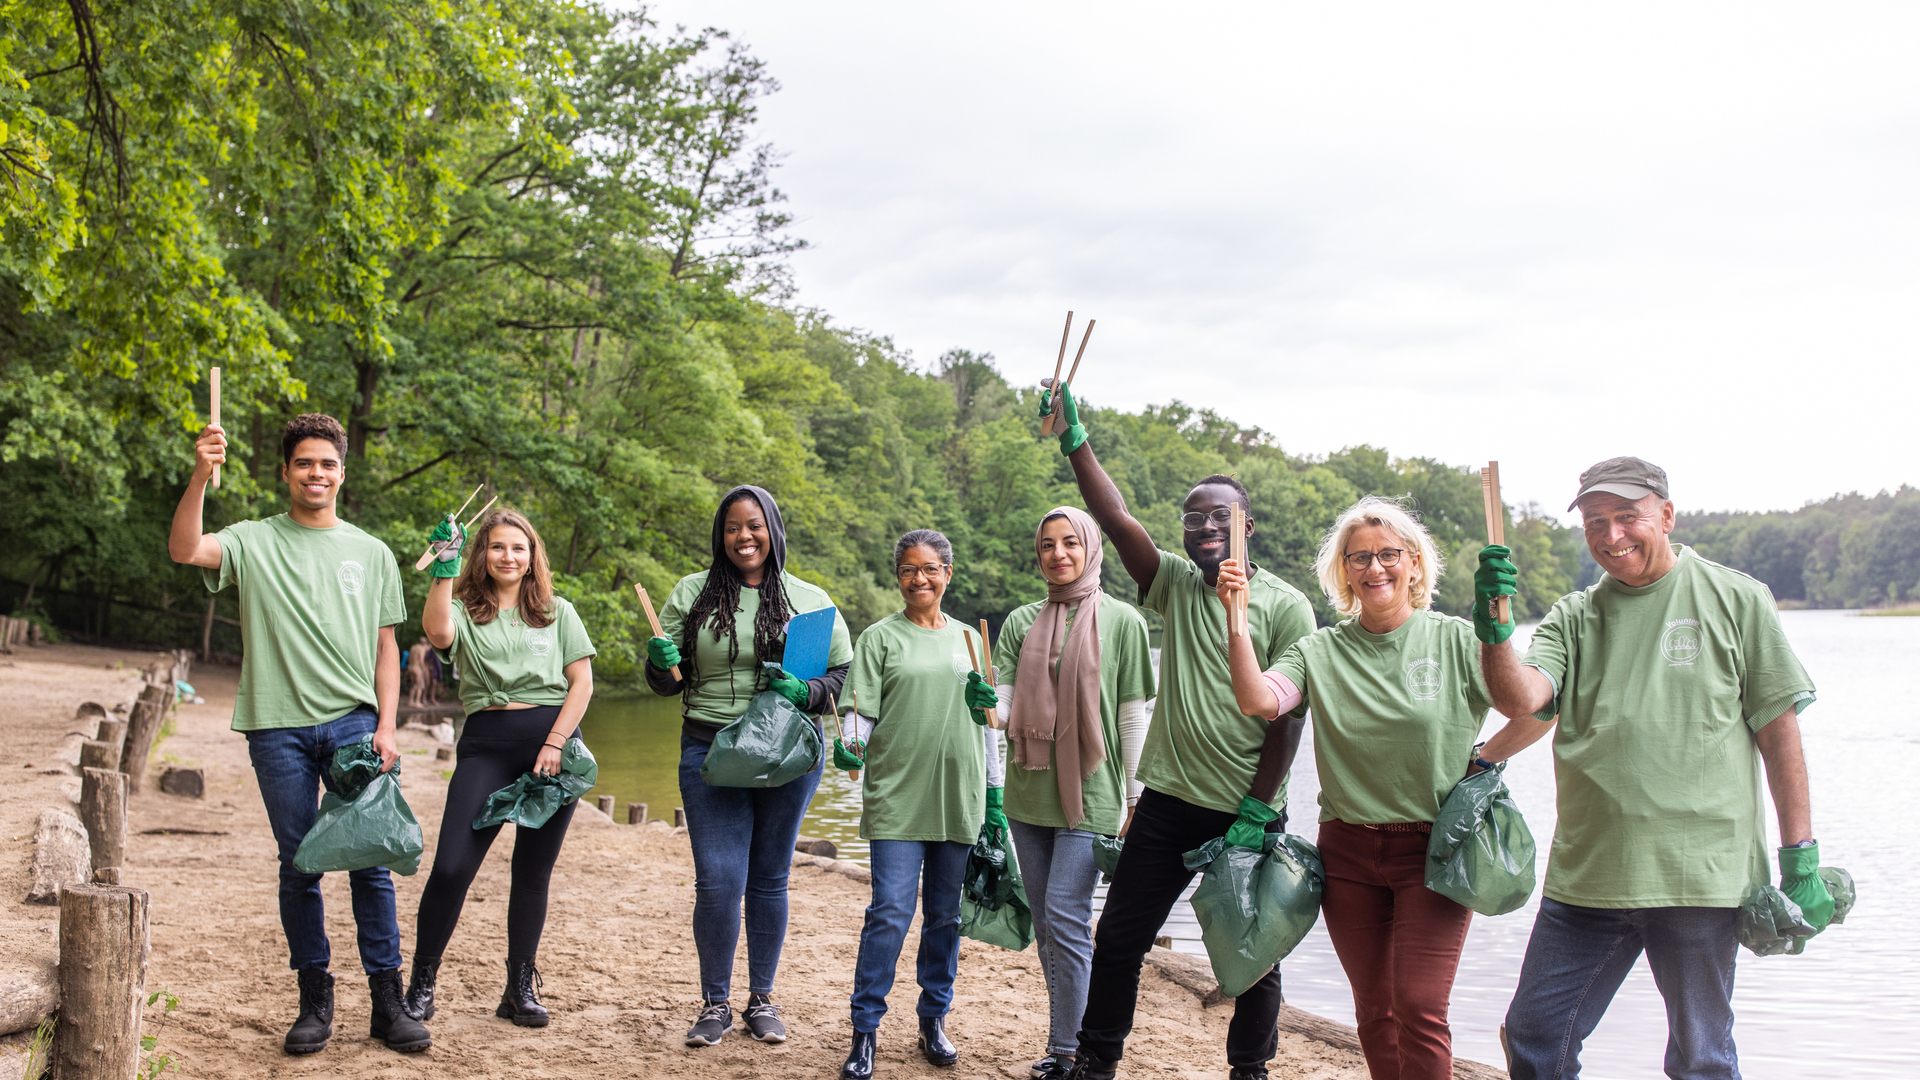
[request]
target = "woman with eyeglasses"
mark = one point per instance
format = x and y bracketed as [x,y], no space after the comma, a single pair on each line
[915,702]
[1396,698]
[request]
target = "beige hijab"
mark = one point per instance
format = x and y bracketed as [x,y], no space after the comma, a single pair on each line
[1056,694]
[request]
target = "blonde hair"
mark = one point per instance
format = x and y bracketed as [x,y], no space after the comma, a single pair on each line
[1331,564]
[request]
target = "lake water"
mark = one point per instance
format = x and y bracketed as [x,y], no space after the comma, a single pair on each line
[1848,1007]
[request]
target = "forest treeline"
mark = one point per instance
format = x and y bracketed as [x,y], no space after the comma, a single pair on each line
[535,246]
[1848,551]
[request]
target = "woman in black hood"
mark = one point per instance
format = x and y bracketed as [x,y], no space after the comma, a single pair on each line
[720,625]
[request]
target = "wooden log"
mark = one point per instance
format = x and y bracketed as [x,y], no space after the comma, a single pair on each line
[29,990]
[605,803]
[103,810]
[103,980]
[90,708]
[99,754]
[61,858]
[113,730]
[814,845]
[143,726]
[636,813]
[679,817]
[186,783]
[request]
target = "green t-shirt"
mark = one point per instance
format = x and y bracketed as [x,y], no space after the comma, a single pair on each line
[926,774]
[505,660]
[312,602]
[719,689]
[1659,690]
[1126,674]
[1394,714]
[1200,748]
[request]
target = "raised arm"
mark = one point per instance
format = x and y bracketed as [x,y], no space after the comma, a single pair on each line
[1103,499]
[187,542]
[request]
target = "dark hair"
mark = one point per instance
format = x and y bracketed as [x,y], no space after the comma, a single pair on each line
[924,537]
[312,425]
[719,598]
[474,587]
[1221,478]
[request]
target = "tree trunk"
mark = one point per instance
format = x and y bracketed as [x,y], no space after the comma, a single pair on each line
[103,980]
[103,810]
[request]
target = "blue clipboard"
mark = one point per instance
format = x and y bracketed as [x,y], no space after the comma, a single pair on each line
[809,635]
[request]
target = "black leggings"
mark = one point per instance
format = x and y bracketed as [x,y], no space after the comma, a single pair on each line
[497,746]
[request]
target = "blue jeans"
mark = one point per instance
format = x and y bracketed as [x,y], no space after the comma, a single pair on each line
[1576,960]
[937,868]
[742,847]
[291,765]
[1057,866]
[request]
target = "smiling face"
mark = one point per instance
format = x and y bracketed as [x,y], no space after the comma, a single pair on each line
[314,474]
[1063,558]
[509,553]
[923,578]
[744,537]
[1207,546]
[1628,537]
[1383,591]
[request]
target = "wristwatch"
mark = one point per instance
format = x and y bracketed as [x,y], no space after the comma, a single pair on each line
[1479,761]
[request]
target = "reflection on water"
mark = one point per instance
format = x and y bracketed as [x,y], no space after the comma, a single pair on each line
[1846,1008]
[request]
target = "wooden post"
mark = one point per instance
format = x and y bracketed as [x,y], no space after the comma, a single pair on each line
[103,981]
[652,619]
[143,725]
[1059,362]
[679,817]
[636,813]
[606,806]
[1496,527]
[103,810]
[213,410]
[1237,551]
[113,730]
[99,754]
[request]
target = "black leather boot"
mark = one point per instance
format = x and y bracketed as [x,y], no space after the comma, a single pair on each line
[1088,1067]
[309,1033]
[939,1049]
[390,1020]
[419,999]
[517,1002]
[859,1064]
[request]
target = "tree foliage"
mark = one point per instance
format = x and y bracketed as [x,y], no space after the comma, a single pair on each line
[1848,551]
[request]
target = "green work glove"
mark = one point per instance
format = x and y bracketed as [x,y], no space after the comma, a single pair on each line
[794,690]
[662,653]
[996,816]
[1071,434]
[980,697]
[844,759]
[1249,830]
[1494,578]
[447,563]
[1800,880]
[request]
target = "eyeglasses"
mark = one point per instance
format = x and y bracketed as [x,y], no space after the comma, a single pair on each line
[1387,557]
[1196,521]
[931,572]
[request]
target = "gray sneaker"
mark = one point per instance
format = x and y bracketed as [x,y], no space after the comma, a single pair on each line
[716,1019]
[763,1019]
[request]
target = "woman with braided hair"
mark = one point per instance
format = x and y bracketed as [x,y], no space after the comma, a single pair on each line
[720,625]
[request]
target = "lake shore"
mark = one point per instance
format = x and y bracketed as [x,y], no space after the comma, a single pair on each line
[619,969]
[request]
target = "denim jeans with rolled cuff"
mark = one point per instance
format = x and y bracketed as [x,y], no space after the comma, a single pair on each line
[932,871]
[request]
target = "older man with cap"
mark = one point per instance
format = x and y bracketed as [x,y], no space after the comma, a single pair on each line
[1671,680]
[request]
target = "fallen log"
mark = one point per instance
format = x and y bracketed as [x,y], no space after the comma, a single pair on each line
[60,856]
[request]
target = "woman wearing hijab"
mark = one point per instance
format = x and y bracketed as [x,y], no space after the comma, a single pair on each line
[720,624]
[1075,676]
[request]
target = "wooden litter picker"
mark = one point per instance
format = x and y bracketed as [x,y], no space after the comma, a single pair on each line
[653,620]
[1496,526]
[436,548]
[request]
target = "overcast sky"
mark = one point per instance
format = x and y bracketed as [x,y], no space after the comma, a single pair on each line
[1507,231]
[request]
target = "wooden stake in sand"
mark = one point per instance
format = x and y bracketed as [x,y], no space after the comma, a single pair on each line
[1496,526]
[1066,334]
[652,619]
[1053,418]
[104,946]
[213,410]
[434,549]
[1237,551]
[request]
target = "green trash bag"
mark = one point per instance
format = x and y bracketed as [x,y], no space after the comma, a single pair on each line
[1106,856]
[1770,923]
[993,900]
[532,800]
[1481,854]
[1254,906]
[770,744]
[367,824]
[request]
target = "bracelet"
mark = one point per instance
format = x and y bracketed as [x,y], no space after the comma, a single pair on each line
[563,743]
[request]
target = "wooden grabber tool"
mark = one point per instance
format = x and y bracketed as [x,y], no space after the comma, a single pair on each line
[435,549]
[1059,362]
[1237,551]
[1052,426]
[653,620]
[993,716]
[213,410]
[1496,526]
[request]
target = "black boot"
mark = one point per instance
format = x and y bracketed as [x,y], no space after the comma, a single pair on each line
[934,1043]
[1088,1067]
[859,1064]
[419,999]
[390,1019]
[309,1033]
[517,1002]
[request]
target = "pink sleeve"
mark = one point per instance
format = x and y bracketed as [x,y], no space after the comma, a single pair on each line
[1290,695]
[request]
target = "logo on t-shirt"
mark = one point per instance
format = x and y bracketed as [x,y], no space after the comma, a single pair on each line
[539,640]
[961,665]
[1681,643]
[352,576]
[1423,679]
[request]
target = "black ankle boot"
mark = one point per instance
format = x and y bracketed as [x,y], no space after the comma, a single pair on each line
[934,1044]
[309,1033]
[390,1020]
[419,999]
[1088,1067]
[859,1064]
[517,1002]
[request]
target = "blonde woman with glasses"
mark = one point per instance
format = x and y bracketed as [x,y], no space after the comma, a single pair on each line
[1396,698]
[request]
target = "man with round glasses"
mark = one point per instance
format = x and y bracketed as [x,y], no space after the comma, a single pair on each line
[1205,765]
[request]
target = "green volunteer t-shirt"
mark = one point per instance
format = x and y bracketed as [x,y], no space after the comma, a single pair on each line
[1200,748]
[1126,674]
[926,774]
[312,602]
[505,661]
[719,689]
[1659,690]
[1394,714]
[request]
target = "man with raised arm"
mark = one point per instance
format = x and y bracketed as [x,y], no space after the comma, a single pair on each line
[319,670]
[1206,767]
[1672,681]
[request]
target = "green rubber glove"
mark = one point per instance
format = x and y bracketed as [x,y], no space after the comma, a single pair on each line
[662,653]
[1250,829]
[980,698]
[794,690]
[996,816]
[1495,577]
[1072,435]
[844,759]
[1800,880]
[447,563]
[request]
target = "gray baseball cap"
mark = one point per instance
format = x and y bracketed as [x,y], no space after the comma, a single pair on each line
[1627,477]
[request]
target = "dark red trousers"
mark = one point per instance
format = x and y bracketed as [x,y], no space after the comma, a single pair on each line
[1399,942]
